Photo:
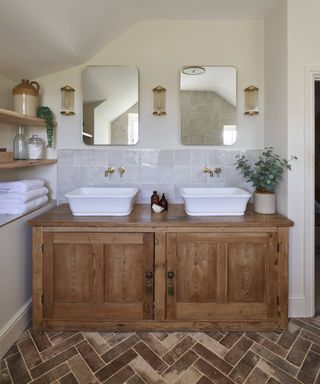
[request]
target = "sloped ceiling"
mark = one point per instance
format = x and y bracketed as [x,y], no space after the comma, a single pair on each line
[39,37]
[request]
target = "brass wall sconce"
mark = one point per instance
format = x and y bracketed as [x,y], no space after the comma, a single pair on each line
[251,100]
[159,101]
[67,100]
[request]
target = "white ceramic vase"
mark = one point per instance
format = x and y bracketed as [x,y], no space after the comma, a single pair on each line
[265,203]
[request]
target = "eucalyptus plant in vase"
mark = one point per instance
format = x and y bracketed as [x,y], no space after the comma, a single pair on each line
[265,176]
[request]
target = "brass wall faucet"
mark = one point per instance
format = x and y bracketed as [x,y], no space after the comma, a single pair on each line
[109,171]
[121,170]
[212,171]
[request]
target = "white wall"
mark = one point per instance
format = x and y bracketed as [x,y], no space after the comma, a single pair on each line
[159,49]
[15,279]
[7,132]
[275,94]
[6,86]
[15,238]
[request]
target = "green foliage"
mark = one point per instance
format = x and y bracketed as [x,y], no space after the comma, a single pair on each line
[46,113]
[266,173]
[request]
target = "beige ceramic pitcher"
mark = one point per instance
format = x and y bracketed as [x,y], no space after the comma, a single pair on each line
[26,97]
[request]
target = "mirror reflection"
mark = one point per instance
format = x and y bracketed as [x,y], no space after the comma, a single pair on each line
[208,105]
[110,105]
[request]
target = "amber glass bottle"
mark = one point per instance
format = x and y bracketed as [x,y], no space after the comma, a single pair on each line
[163,202]
[155,198]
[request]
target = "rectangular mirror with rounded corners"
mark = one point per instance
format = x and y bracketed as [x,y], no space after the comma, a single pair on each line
[208,105]
[110,105]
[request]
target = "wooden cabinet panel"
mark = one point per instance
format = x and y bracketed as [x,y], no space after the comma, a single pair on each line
[97,275]
[246,272]
[124,273]
[197,272]
[221,276]
[74,273]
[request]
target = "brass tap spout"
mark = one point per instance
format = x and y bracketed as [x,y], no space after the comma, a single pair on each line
[217,171]
[208,170]
[109,171]
[213,171]
[121,170]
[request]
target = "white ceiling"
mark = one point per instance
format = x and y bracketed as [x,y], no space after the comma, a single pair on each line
[39,37]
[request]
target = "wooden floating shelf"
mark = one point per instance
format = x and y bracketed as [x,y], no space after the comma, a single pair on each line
[26,163]
[11,117]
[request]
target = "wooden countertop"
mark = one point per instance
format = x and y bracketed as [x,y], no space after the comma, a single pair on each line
[142,216]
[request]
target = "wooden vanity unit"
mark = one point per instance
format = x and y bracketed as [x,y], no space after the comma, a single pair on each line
[167,271]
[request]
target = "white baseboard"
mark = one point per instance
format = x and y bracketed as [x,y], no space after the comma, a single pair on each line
[14,327]
[298,307]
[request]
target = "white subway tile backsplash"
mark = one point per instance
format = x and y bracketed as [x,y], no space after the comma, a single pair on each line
[230,156]
[132,157]
[149,173]
[232,176]
[217,181]
[81,174]
[115,157]
[149,157]
[182,157]
[216,158]
[165,174]
[65,157]
[182,174]
[132,174]
[99,157]
[165,157]
[199,157]
[65,174]
[81,157]
[198,176]
[98,177]
[150,169]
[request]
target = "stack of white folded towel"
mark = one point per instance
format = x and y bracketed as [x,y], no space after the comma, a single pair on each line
[17,197]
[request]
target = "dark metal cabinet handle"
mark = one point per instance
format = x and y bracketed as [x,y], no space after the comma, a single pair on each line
[149,283]
[149,275]
[170,283]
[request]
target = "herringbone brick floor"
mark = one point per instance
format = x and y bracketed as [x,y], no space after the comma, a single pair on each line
[288,357]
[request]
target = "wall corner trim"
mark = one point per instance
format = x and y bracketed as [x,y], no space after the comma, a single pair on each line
[14,327]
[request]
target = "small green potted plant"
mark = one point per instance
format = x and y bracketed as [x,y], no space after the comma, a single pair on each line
[264,175]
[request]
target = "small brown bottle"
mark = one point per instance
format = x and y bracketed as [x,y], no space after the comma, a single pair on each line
[163,202]
[155,199]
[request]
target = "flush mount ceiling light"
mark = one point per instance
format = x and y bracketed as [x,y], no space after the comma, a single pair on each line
[194,70]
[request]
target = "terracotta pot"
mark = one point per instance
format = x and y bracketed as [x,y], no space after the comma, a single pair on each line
[26,97]
[265,202]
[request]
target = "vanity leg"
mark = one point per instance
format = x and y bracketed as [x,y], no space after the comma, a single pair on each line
[37,241]
[283,278]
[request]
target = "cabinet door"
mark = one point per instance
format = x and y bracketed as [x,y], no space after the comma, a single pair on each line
[221,276]
[98,276]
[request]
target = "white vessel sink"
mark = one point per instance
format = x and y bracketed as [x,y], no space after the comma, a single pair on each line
[215,201]
[101,201]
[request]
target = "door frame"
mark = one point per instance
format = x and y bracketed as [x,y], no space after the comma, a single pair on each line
[310,76]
